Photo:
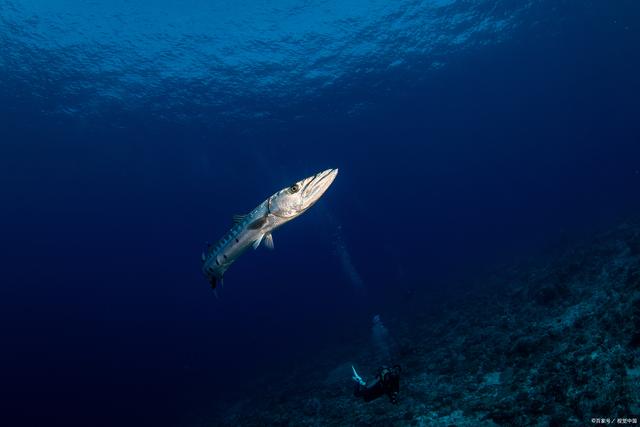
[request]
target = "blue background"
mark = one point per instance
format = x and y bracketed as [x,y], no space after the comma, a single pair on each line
[467,136]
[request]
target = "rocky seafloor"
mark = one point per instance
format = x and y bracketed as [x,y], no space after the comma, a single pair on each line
[553,344]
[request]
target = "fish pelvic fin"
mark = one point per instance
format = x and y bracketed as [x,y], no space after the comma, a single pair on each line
[256,242]
[268,241]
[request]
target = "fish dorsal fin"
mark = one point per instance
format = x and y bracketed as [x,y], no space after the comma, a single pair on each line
[268,241]
[237,219]
[257,223]
[256,242]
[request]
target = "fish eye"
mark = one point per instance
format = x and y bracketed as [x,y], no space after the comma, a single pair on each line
[294,188]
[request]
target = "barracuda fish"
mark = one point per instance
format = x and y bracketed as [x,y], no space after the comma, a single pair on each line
[257,226]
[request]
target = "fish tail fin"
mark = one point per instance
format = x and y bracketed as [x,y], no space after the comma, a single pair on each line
[214,281]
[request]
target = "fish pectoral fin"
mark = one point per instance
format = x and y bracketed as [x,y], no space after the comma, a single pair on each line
[256,242]
[268,241]
[257,223]
[238,218]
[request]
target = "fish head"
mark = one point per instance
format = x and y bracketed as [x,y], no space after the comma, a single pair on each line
[294,200]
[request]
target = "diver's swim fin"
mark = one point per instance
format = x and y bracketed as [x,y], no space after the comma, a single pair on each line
[357,378]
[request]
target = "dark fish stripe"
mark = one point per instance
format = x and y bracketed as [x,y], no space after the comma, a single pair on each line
[257,223]
[234,233]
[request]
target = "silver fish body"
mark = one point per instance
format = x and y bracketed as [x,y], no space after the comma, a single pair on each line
[256,227]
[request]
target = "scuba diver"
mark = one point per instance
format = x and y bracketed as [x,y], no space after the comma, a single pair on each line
[386,381]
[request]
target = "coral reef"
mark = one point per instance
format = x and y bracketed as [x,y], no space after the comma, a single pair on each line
[551,345]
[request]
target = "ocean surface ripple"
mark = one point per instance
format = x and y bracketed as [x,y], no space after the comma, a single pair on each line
[223,61]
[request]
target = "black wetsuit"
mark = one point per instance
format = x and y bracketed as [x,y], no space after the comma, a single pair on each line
[387,381]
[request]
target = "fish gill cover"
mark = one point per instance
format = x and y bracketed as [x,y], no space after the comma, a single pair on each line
[487,150]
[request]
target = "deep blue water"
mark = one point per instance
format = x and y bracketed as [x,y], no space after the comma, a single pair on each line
[468,135]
